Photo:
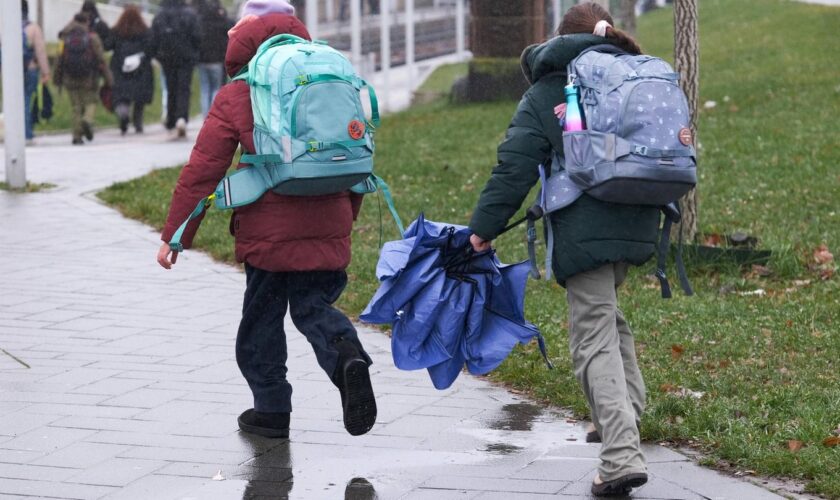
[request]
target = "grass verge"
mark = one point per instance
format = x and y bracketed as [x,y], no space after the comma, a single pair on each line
[758,347]
[31,187]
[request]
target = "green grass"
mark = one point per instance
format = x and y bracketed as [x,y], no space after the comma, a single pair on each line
[767,365]
[30,187]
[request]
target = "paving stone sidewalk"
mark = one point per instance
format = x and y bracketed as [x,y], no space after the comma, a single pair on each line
[118,379]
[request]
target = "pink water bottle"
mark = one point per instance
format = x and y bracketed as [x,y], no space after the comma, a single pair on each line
[574,115]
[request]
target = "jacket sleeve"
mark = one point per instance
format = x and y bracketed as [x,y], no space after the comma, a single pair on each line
[96,42]
[524,148]
[209,161]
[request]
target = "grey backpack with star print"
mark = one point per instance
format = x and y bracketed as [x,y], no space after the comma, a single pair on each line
[637,146]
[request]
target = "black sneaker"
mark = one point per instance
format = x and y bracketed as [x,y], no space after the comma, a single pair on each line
[271,425]
[87,131]
[618,487]
[353,381]
[78,142]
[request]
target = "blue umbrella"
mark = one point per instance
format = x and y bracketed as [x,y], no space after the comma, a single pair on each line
[448,305]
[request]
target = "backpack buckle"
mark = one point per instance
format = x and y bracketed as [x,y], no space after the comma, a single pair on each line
[640,150]
[301,80]
[313,146]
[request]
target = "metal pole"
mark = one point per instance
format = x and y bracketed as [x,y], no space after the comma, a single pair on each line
[385,60]
[356,31]
[556,6]
[460,28]
[312,18]
[409,39]
[13,102]
[329,10]
[40,17]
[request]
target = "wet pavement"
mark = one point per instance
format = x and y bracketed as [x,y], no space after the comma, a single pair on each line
[118,379]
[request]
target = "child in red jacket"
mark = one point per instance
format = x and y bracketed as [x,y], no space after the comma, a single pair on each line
[295,250]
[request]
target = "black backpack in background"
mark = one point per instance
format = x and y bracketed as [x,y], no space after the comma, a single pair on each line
[78,59]
[173,32]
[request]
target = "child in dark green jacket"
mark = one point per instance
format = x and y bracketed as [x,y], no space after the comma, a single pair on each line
[595,242]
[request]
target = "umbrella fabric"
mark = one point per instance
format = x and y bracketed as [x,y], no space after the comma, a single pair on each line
[448,306]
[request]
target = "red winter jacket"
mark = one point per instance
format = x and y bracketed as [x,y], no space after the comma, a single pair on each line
[276,233]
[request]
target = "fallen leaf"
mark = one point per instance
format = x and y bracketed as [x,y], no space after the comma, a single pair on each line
[759,292]
[713,240]
[709,104]
[795,445]
[822,255]
[762,271]
[831,441]
[667,387]
[677,351]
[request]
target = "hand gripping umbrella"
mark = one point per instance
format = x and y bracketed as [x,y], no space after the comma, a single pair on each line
[448,305]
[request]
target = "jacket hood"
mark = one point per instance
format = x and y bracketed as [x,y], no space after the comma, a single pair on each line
[246,37]
[554,55]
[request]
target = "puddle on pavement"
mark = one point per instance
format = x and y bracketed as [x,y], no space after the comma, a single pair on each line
[269,475]
[502,449]
[516,417]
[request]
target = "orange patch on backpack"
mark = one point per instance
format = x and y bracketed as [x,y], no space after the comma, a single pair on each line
[356,129]
[685,136]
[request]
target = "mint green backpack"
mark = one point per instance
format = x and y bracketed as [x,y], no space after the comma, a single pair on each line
[310,132]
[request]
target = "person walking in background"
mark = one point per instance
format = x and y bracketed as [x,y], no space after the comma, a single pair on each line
[79,69]
[176,39]
[215,24]
[95,22]
[35,66]
[595,244]
[131,65]
[295,250]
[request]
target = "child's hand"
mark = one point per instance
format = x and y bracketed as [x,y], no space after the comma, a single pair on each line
[163,256]
[479,244]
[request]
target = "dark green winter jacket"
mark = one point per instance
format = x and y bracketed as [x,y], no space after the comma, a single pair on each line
[589,233]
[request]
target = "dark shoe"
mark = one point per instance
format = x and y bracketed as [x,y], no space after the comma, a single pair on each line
[272,425]
[618,487]
[123,126]
[353,381]
[78,142]
[87,131]
[138,129]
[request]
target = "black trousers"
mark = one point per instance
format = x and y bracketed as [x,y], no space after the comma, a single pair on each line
[261,342]
[178,89]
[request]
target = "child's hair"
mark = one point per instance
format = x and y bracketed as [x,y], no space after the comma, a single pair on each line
[583,17]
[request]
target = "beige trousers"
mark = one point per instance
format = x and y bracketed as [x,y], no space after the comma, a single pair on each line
[604,358]
[83,104]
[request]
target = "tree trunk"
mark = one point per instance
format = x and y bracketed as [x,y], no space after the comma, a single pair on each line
[627,16]
[499,31]
[686,63]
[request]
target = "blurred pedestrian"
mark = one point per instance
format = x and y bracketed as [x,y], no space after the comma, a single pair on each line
[215,24]
[35,65]
[80,67]
[95,22]
[131,65]
[176,38]
[343,6]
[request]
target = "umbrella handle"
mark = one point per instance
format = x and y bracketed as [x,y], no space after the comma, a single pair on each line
[533,213]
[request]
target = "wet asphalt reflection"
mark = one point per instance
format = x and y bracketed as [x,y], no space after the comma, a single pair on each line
[308,466]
